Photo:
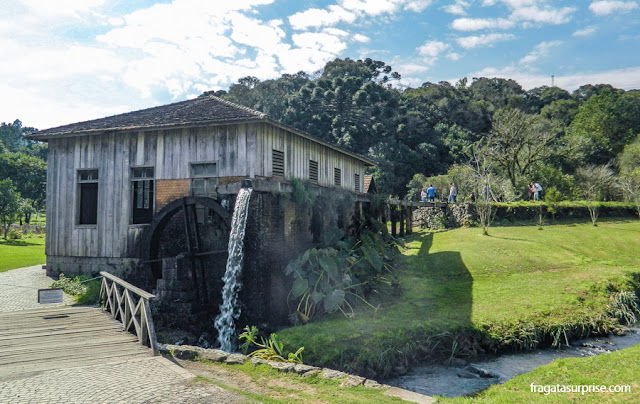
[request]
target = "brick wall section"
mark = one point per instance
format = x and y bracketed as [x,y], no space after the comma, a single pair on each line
[170,190]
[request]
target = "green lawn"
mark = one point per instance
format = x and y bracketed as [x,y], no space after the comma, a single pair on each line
[21,253]
[618,368]
[265,385]
[518,287]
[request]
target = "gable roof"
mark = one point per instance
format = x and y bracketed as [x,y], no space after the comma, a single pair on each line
[204,110]
[201,110]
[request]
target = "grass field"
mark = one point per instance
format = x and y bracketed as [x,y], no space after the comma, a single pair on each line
[517,288]
[20,253]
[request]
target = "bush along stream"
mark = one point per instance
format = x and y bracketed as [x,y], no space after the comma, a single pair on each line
[386,354]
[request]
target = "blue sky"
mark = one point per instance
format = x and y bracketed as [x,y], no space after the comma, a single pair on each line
[66,61]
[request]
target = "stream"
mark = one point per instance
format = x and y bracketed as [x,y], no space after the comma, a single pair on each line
[475,376]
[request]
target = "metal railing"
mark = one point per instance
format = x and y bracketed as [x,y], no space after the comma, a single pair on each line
[130,305]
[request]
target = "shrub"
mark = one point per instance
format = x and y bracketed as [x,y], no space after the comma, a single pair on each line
[85,290]
[14,234]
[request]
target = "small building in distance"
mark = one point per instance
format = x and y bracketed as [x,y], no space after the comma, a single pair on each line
[116,185]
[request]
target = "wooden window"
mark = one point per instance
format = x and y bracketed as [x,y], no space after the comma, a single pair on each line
[277,163]
[356,178]
[142,185]
[88,196]
[204,179]
[204,170]
[313,171]
[337,177]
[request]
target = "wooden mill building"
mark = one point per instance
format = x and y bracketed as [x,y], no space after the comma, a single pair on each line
[108,178]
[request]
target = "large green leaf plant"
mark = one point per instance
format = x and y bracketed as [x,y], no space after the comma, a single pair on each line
[342,271]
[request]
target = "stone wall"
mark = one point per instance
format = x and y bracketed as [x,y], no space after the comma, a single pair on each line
[451,216]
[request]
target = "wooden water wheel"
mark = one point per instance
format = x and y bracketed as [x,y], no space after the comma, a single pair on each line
[195,229]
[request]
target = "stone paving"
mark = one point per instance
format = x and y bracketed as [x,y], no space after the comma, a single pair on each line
[132,381]
[153,380]
[19,289]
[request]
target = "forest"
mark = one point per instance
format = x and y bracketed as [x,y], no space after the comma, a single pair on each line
[579,145]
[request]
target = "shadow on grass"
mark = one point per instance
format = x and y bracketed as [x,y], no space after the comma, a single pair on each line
[445,285]
[18,243]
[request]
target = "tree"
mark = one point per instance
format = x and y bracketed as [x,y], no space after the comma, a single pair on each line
[517,141]
[28,173]
[629,178]
[26,210]
[12,135]
[599,132]
[539,97]
[499,92]
[9,205]
[561,111]
[594,181]
[366,70]
[484,185]
[585,92]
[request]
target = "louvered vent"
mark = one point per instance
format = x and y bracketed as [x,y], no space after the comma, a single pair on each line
[313,171]
[356,178]
[337,177]
[277,162]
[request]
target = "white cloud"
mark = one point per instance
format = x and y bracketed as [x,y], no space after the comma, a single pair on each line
[432,48]
[336,32]
[417,6]
[316,17]
[545,15]
[540,50]
[457,8]
[372,7]
[476,24]
[475,41]
[524,12]
[411,68]
[607,7]
[586,31]
[361,38]
[453,56]
[319,41]
[62,8]
[348,11]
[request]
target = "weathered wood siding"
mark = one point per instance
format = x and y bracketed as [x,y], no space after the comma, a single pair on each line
[239,150]
[297,153]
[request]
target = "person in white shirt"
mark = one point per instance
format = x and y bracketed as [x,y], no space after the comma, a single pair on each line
[423,195]
[537,189]
[453,192]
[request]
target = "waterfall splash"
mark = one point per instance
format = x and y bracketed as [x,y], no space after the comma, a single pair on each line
[229,310]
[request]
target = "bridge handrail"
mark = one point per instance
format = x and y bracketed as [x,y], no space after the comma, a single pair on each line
[117,297]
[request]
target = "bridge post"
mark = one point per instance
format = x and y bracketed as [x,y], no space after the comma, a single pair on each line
[392,217]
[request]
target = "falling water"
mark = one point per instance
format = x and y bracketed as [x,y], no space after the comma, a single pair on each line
[229,310]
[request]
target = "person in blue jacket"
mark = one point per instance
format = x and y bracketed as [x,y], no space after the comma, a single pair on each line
[431,194]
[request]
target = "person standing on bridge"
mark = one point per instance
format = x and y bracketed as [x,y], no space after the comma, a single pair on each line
[423,195]
[431,193]
[453,192]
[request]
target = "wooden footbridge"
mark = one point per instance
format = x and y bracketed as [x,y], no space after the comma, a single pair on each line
[39,340]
